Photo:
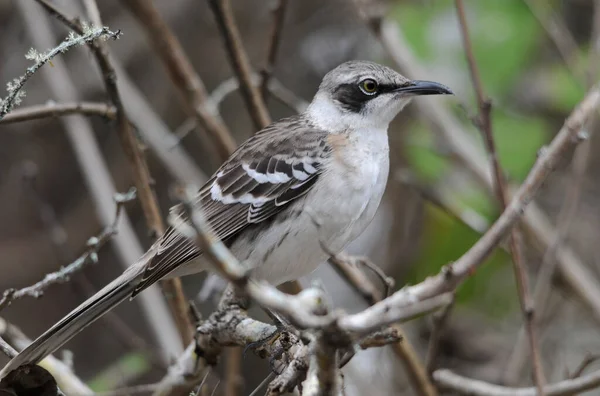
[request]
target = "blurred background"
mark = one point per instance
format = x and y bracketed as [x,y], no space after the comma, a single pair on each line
[536,59]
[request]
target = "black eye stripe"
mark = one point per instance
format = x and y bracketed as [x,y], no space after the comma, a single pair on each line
[352,98]
[386,88]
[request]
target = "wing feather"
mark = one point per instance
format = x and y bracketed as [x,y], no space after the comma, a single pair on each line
[260,179]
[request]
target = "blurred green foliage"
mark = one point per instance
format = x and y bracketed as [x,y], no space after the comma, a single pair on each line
[129,366]
[506,40]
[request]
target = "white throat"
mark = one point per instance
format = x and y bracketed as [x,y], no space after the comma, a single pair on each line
[328,115]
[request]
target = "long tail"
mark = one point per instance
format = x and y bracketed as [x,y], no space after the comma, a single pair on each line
[100,303]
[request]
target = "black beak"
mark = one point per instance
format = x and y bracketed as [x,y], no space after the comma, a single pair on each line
[418,87]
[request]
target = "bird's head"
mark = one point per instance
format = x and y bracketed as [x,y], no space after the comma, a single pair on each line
[365,94]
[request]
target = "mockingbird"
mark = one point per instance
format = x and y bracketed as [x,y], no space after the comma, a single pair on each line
[330,162]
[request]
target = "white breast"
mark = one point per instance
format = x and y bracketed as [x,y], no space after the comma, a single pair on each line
[335,212]
[359,182]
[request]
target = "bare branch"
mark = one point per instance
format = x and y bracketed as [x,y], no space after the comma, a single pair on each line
[439,322]
[323,377]
[448,379]
[274,39]
[96,172]
[587,360]
[233,376]
[559,33]
[436,197]
[275,87]
[172,288]
[87,35]
[239,61]
[485,125]
[7,349]
[52,109]
[188,370]
[566,46]
[346,267]
[189,84]
[89,257]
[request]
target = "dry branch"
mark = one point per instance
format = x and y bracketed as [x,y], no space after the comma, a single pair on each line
[275,87]
[566,45]
[439,323]
[172,288]
[484,122]
[95,170]
[52,109]
[274,40]
[189,84]
[89,257]
[347,268]
[86,35]
[239,60]
[466,386]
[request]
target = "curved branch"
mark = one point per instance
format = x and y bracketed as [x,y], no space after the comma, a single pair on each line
[52,109]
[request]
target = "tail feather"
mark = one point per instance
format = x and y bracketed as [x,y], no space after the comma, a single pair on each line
[78,319]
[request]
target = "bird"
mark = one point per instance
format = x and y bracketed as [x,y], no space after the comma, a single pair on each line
[330,162]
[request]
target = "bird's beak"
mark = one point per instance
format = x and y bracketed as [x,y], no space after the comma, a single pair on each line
[418,87]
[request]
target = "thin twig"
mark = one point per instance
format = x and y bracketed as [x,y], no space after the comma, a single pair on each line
[436,197]
[594,56]
[95,171]
[564,42]
[263,383]
[274,40]
[516,248]
[172,288]
[59,236]
[559,33]
[52,109]
[404,349]
[7,349]
[448,380]
[189,84]
[184,375]
[323,377]
[348,270]
[63,275]
[239,60]
[86,35]
[233,376]
[283,94]
[439,323]
[589,359]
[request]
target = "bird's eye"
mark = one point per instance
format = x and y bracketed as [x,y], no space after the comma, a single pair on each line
[368,86]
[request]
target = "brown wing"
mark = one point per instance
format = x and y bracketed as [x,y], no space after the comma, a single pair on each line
[271,169]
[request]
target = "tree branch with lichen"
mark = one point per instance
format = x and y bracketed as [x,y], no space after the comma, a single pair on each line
[15,87]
